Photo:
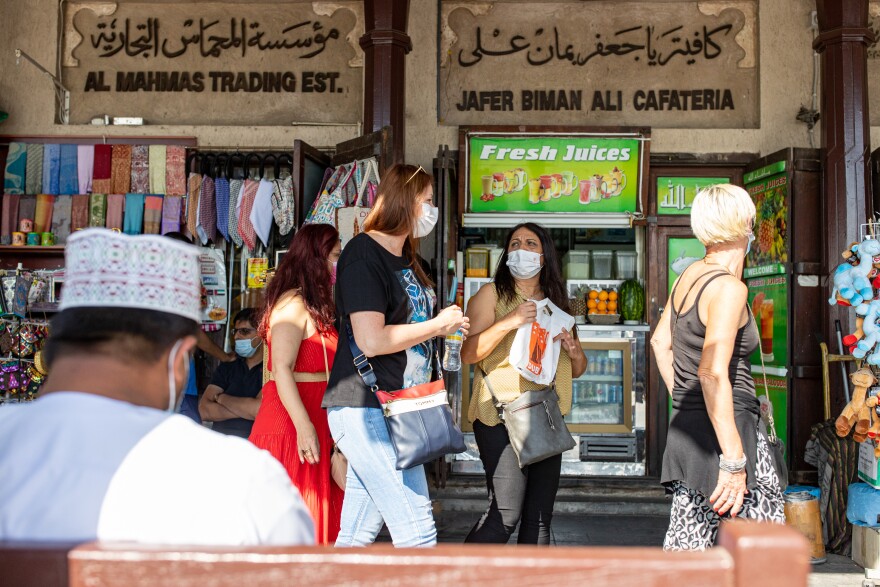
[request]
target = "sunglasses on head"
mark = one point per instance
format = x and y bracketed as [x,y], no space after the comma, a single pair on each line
[422,169]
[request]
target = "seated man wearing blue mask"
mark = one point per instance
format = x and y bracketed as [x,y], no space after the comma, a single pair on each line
[100,454]
[232,399]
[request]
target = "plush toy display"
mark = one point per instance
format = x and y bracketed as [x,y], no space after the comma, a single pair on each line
[851,283]
[871,331]
[857,412]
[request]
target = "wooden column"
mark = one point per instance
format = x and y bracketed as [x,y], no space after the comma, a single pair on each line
[844,35]
[385,45]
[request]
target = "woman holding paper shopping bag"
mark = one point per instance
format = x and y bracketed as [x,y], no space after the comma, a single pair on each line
[526,306]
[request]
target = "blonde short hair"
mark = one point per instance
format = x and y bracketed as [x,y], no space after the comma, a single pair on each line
[722,213]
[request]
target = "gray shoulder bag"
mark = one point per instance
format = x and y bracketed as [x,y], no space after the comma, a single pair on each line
[534,424]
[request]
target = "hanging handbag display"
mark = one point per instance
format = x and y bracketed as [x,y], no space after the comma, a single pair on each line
[775,444]
[534,423]
[419,418]
[333,197]
[350,220]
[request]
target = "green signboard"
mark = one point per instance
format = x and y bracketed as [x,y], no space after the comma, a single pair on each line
[770,194]
[553,174]
[768,297]
[681,253]
[676,194]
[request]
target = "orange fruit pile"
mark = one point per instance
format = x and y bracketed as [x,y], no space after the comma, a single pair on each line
[602,301]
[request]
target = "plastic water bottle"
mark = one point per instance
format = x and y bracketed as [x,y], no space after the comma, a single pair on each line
[452,356]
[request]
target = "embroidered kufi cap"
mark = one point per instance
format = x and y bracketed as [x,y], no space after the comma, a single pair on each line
[104,268]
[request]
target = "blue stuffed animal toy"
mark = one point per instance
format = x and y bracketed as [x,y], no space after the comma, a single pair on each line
[872,335]
[851,281]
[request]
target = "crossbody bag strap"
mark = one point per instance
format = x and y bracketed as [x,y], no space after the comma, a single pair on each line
[326,363]
[499,407]
[770,421]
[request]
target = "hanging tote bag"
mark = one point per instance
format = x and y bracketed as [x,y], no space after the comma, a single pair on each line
[350,220]
[332,198]
[534,424]
[419,418]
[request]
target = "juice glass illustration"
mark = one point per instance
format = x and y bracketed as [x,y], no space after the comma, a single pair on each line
[557,189]
[521,178]
[509,182]
[487,184]
[569,182]
[767,329]
[584,187]
[498,184]
[534,190]
[548,185]
[598,187]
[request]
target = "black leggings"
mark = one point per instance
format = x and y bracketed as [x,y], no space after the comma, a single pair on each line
[514,493]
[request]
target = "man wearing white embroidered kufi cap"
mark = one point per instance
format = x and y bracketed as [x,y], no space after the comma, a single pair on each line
[99,454]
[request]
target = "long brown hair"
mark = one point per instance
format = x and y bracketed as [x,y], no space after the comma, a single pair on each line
[304,268]
[395,210]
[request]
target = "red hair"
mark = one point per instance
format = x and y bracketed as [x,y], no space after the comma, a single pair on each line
[395,211]
[304,268]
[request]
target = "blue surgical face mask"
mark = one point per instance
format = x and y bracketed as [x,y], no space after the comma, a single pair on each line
[245,349]
[749,246]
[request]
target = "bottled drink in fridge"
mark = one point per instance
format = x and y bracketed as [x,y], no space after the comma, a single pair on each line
[452,356]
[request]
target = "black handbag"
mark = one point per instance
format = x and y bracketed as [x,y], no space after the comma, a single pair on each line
[534,424]
[419,418]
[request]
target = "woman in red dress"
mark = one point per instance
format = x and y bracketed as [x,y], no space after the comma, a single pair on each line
[297,325]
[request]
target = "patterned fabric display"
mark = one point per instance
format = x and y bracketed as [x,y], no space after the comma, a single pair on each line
[115,208]
[235,187]
[192,203]
[152,214]
[34,173]
[8,217]
[79,212]
[43,213]
[245,228]
[61,218]
[171,214]
[175,170]
[97,210]
[51,168]
[140,169]
[27,208]
[68,171]
[120,172]
[16,169]
[157,169]
[133,220]
[283,204]
[261,212]
[221,195]
[103,167]
[85,165]
[207,216]
[107,269]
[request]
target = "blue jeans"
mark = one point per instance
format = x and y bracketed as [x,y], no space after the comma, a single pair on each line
[375,491]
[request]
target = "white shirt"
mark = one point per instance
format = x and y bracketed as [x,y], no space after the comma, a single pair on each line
[77,466]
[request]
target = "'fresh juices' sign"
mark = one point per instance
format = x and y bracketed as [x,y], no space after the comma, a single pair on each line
[553,174]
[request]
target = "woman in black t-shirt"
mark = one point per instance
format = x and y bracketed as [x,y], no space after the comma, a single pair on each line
[383,292]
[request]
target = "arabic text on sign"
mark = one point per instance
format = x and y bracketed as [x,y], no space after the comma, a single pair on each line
[211,38]
[658,48]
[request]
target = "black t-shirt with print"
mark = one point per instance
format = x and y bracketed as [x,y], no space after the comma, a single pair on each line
[371,279]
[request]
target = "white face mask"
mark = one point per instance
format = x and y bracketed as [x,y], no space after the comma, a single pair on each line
[174,400]
[524,264]
[426,220]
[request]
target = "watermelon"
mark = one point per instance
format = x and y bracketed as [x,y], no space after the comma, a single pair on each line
[632,300]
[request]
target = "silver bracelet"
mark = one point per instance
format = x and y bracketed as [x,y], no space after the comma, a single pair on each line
[732,466]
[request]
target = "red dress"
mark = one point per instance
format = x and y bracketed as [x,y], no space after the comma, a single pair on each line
[273,431]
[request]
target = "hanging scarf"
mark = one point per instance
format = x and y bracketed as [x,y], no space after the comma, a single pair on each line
[206,222]
[283,204]
[221,195]
[68,174]
[103,168]
[51,168]
[134,214]
[171,214]
[43,213]
[79,212]
[235,187]
[261,212]
[175,170]
[140,169]
[115,207]
[8,217]
[16,169]
[157,168]
[85,166]
[98,210]
[61,218]
[192,203]
[33,183]
[245,227]
[120,171]
[152,214]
